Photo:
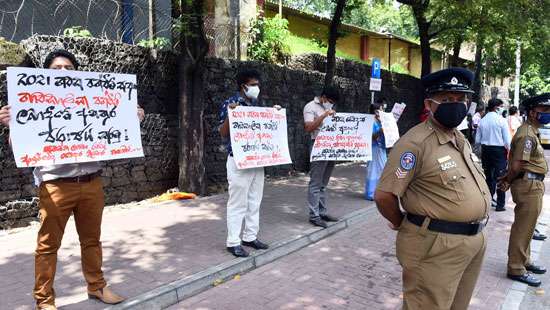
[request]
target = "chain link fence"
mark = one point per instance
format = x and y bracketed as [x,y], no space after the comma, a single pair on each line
[117,20]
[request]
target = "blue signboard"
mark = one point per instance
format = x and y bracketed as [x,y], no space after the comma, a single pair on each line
[376,68]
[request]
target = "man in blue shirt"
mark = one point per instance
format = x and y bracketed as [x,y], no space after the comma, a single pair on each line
[246,186]
[494,136]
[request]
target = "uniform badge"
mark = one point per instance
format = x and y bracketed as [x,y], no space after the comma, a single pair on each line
[454,81]
[400,174]
[408,160]
[528,147]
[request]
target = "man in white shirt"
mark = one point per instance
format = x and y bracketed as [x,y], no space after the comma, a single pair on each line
[494,136]
[514,120]
[315,113]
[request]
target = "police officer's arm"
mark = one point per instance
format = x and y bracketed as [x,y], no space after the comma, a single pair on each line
[398,173]
[311,123]
[520,156]
[388,206]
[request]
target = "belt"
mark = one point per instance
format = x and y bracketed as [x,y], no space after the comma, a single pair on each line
[457,228]
[531,176]
[79,179]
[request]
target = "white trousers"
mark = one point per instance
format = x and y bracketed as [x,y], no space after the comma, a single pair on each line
[246,188]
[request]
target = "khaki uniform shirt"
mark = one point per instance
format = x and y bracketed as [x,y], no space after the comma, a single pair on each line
[313,110]
[526,146]
[436,177]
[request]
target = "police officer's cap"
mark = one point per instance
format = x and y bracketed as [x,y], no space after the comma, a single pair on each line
[451,80]
[540,100]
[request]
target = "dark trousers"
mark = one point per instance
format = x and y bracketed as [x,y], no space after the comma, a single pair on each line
[494,164]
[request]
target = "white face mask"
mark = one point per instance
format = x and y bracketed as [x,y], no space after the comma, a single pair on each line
[327,105]
[252,92]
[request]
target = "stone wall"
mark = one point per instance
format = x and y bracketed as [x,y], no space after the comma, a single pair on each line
[292,88]
[127,180]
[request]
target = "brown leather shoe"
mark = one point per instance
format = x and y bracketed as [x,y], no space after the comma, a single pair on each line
[106,295]
[46,307]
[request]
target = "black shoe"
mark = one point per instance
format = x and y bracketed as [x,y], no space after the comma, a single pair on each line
[526,278]
[237,251]
[257,244]
[500,209]
[319,222]
[535,269]
[328,218]
[538,236]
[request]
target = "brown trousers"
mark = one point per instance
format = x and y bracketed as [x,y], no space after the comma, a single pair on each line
[58,200]
[440,270]
[527,195]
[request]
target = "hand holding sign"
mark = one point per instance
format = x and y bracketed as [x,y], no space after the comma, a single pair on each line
[5,115]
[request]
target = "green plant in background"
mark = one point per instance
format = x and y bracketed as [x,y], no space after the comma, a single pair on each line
[269,40]
[398,68]
[155,43]
[77,32]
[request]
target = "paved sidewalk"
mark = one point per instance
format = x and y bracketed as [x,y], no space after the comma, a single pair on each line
[148,245]
[357,269]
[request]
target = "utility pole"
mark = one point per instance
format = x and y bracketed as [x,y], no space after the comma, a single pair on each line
[518,72]
[281,8]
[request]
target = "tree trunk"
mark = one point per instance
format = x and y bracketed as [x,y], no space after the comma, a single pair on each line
[194,46]
[332,38]
[476,85]
[419,11]
[456,51]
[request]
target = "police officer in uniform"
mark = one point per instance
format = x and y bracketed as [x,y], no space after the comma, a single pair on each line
[440,183]
[526,178]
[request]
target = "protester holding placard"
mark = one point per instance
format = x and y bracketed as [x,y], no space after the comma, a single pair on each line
[379,156]
[315,113]
[67,189]
[246,186]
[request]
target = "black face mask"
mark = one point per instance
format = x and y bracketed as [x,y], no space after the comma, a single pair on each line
[450,114]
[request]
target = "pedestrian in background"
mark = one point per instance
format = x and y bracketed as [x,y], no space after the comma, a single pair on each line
[315,113]
[514,120]
[439,182]
[525,177]
[379,155]
[494,136]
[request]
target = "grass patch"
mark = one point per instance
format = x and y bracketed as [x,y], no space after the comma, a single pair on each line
[299,45]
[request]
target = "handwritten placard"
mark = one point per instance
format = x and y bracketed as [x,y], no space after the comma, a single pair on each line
[344,137]
[258,137]
[61,116]
[398,109]
[391,131]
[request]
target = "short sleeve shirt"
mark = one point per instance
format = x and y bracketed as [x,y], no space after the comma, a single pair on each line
[50,173]
[313,110]
[526,147]
[435,174]
[237,98]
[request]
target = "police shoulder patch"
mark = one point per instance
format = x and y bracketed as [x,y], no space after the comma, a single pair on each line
[408,160]
[528,146]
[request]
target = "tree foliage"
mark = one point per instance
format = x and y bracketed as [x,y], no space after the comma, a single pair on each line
[269,39]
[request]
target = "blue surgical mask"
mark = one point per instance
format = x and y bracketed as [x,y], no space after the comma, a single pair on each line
[543,118]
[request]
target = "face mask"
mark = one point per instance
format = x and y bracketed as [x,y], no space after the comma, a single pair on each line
[450,114]
[252,92]
[327,105]
[543,118]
